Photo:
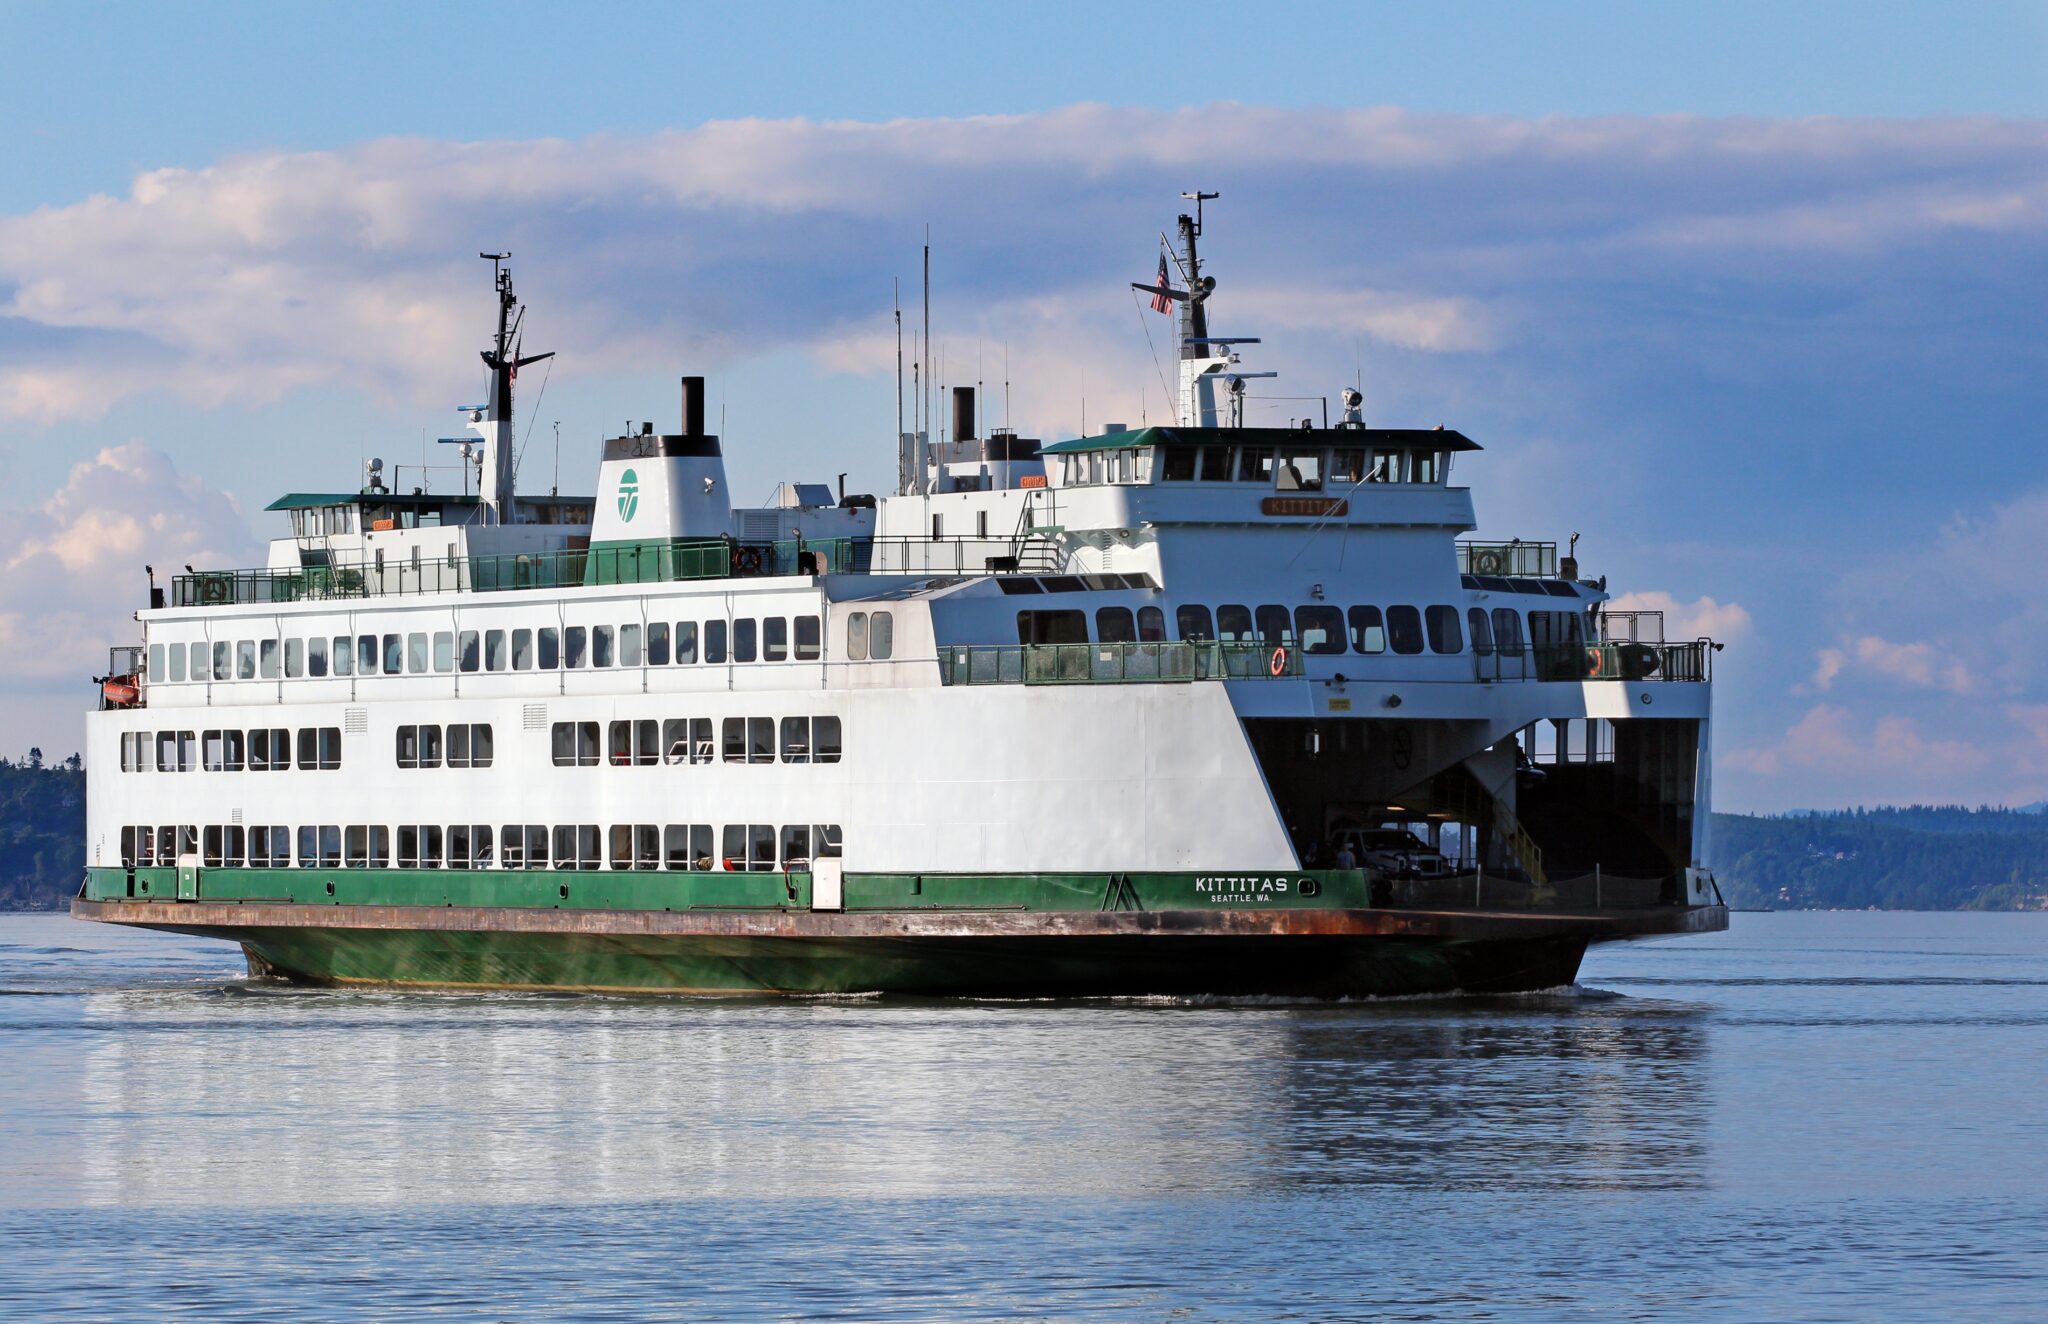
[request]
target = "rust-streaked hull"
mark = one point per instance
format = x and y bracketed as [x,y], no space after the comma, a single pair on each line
[1299,952]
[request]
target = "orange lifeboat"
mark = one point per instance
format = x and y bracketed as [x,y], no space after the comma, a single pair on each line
[121,691]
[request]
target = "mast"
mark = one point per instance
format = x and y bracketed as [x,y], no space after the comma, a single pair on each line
[494,421]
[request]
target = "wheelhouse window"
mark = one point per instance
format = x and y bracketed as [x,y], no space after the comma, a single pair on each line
[1114,625]
[1369,632]
[1404,629]
[1255,465]
[1443,630]
[1151,625]
[1234,624]
[1301,471]
[1276,624]
[1320,629]
[1194,623]
[1177,464]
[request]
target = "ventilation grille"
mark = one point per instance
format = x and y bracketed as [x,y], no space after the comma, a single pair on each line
[355,721]
[235,817]
[536,716]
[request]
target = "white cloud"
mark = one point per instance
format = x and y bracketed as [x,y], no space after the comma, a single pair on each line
[71,567]
[1922,664]
[1702,618]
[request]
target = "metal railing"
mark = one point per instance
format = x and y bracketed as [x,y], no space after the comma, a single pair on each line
[648,563]
[1603,660]
[1113,664]
[1528,560]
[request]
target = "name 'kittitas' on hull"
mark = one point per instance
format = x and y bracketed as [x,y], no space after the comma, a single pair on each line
[1199,709]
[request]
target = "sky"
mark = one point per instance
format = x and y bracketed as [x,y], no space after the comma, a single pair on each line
[1750,296]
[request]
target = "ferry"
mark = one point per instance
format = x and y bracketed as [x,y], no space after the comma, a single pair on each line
[1199,709]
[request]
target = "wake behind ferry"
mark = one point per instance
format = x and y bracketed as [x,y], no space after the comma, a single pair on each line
[1200,709]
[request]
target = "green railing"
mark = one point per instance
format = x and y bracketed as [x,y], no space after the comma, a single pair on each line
[1518,559]
[1113,664]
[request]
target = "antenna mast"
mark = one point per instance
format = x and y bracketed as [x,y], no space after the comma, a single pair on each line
[494,421]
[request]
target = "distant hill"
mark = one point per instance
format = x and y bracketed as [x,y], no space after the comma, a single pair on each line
[42,832]
[1916,857]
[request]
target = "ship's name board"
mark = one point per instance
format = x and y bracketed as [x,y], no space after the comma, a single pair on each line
[1320,507]
[1244,889]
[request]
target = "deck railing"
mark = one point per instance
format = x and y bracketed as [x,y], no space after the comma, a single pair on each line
[1527,560]
[1113,664]
[1604,660]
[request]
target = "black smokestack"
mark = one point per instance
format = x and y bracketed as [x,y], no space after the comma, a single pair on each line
[963,413]
[693,406]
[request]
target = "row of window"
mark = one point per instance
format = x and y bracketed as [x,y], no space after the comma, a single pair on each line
[1315,629]
[1306,468]
[545,648]
[260,749]
[647,742]
[679,847]
[466,745]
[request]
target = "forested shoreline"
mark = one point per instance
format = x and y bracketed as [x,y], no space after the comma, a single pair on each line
[1917,857]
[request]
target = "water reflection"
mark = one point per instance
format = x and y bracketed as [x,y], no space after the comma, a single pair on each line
[251,1095]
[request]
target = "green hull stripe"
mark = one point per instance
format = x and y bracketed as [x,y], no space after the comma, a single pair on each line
[607,889]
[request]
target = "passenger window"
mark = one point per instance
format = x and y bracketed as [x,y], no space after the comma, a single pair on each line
[416,653]
[796,740]
[796,847]
[1192,620]
[1482,634]
[1507,630]
[1113,625]
[775,639]
[601,646]
[1443,630]
[657,643]
[394,654]
[825,739]
[629,646]
[1276,624]
[294,658]
[430,747]
[408,747]
[223,661]
[444,651]
[1049,627]
[760,740]
[760,848]
[809,640]
[1321,629]
[700,740]
[686,642]
[1151,625]
[1368,631]
[743,632]
[714,641]
[177,662]
[1234,624]
[575,646]
[857,636]
[1404,629]
[620,746]
[734,739]
[316,657]
[675,740]
[469,651]
[547,648]
[245,659]
[496,656]
[881,636]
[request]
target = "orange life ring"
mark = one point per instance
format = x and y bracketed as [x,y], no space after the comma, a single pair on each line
[1593,661]
[747,561]
[1278,665]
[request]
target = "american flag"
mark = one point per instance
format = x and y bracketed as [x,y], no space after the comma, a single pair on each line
[1160,302]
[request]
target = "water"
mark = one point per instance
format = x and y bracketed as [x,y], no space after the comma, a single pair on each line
[1813,1117]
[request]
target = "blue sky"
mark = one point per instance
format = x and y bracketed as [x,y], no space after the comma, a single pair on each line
[1748,294]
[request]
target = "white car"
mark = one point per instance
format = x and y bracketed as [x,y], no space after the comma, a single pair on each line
[1394,853]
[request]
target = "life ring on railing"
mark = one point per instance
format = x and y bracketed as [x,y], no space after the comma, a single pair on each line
[1277,664]
[1593,663]
[1489,561]
[121,691]
[746,561]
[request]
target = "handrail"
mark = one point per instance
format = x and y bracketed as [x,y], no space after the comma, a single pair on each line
[1516,559]
[1114,663]
[1609,659]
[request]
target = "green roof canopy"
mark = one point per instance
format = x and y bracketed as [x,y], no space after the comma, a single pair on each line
[1381,439]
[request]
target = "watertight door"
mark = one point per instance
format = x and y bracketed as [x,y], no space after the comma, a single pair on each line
[188,878]
[826,891]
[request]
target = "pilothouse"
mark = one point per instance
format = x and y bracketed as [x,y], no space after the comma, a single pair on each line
[1197,708]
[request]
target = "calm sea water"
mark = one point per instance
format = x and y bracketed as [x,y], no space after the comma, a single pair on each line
[1812,1117]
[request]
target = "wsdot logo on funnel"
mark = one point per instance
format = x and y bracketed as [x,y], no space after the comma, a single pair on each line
[629,495]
